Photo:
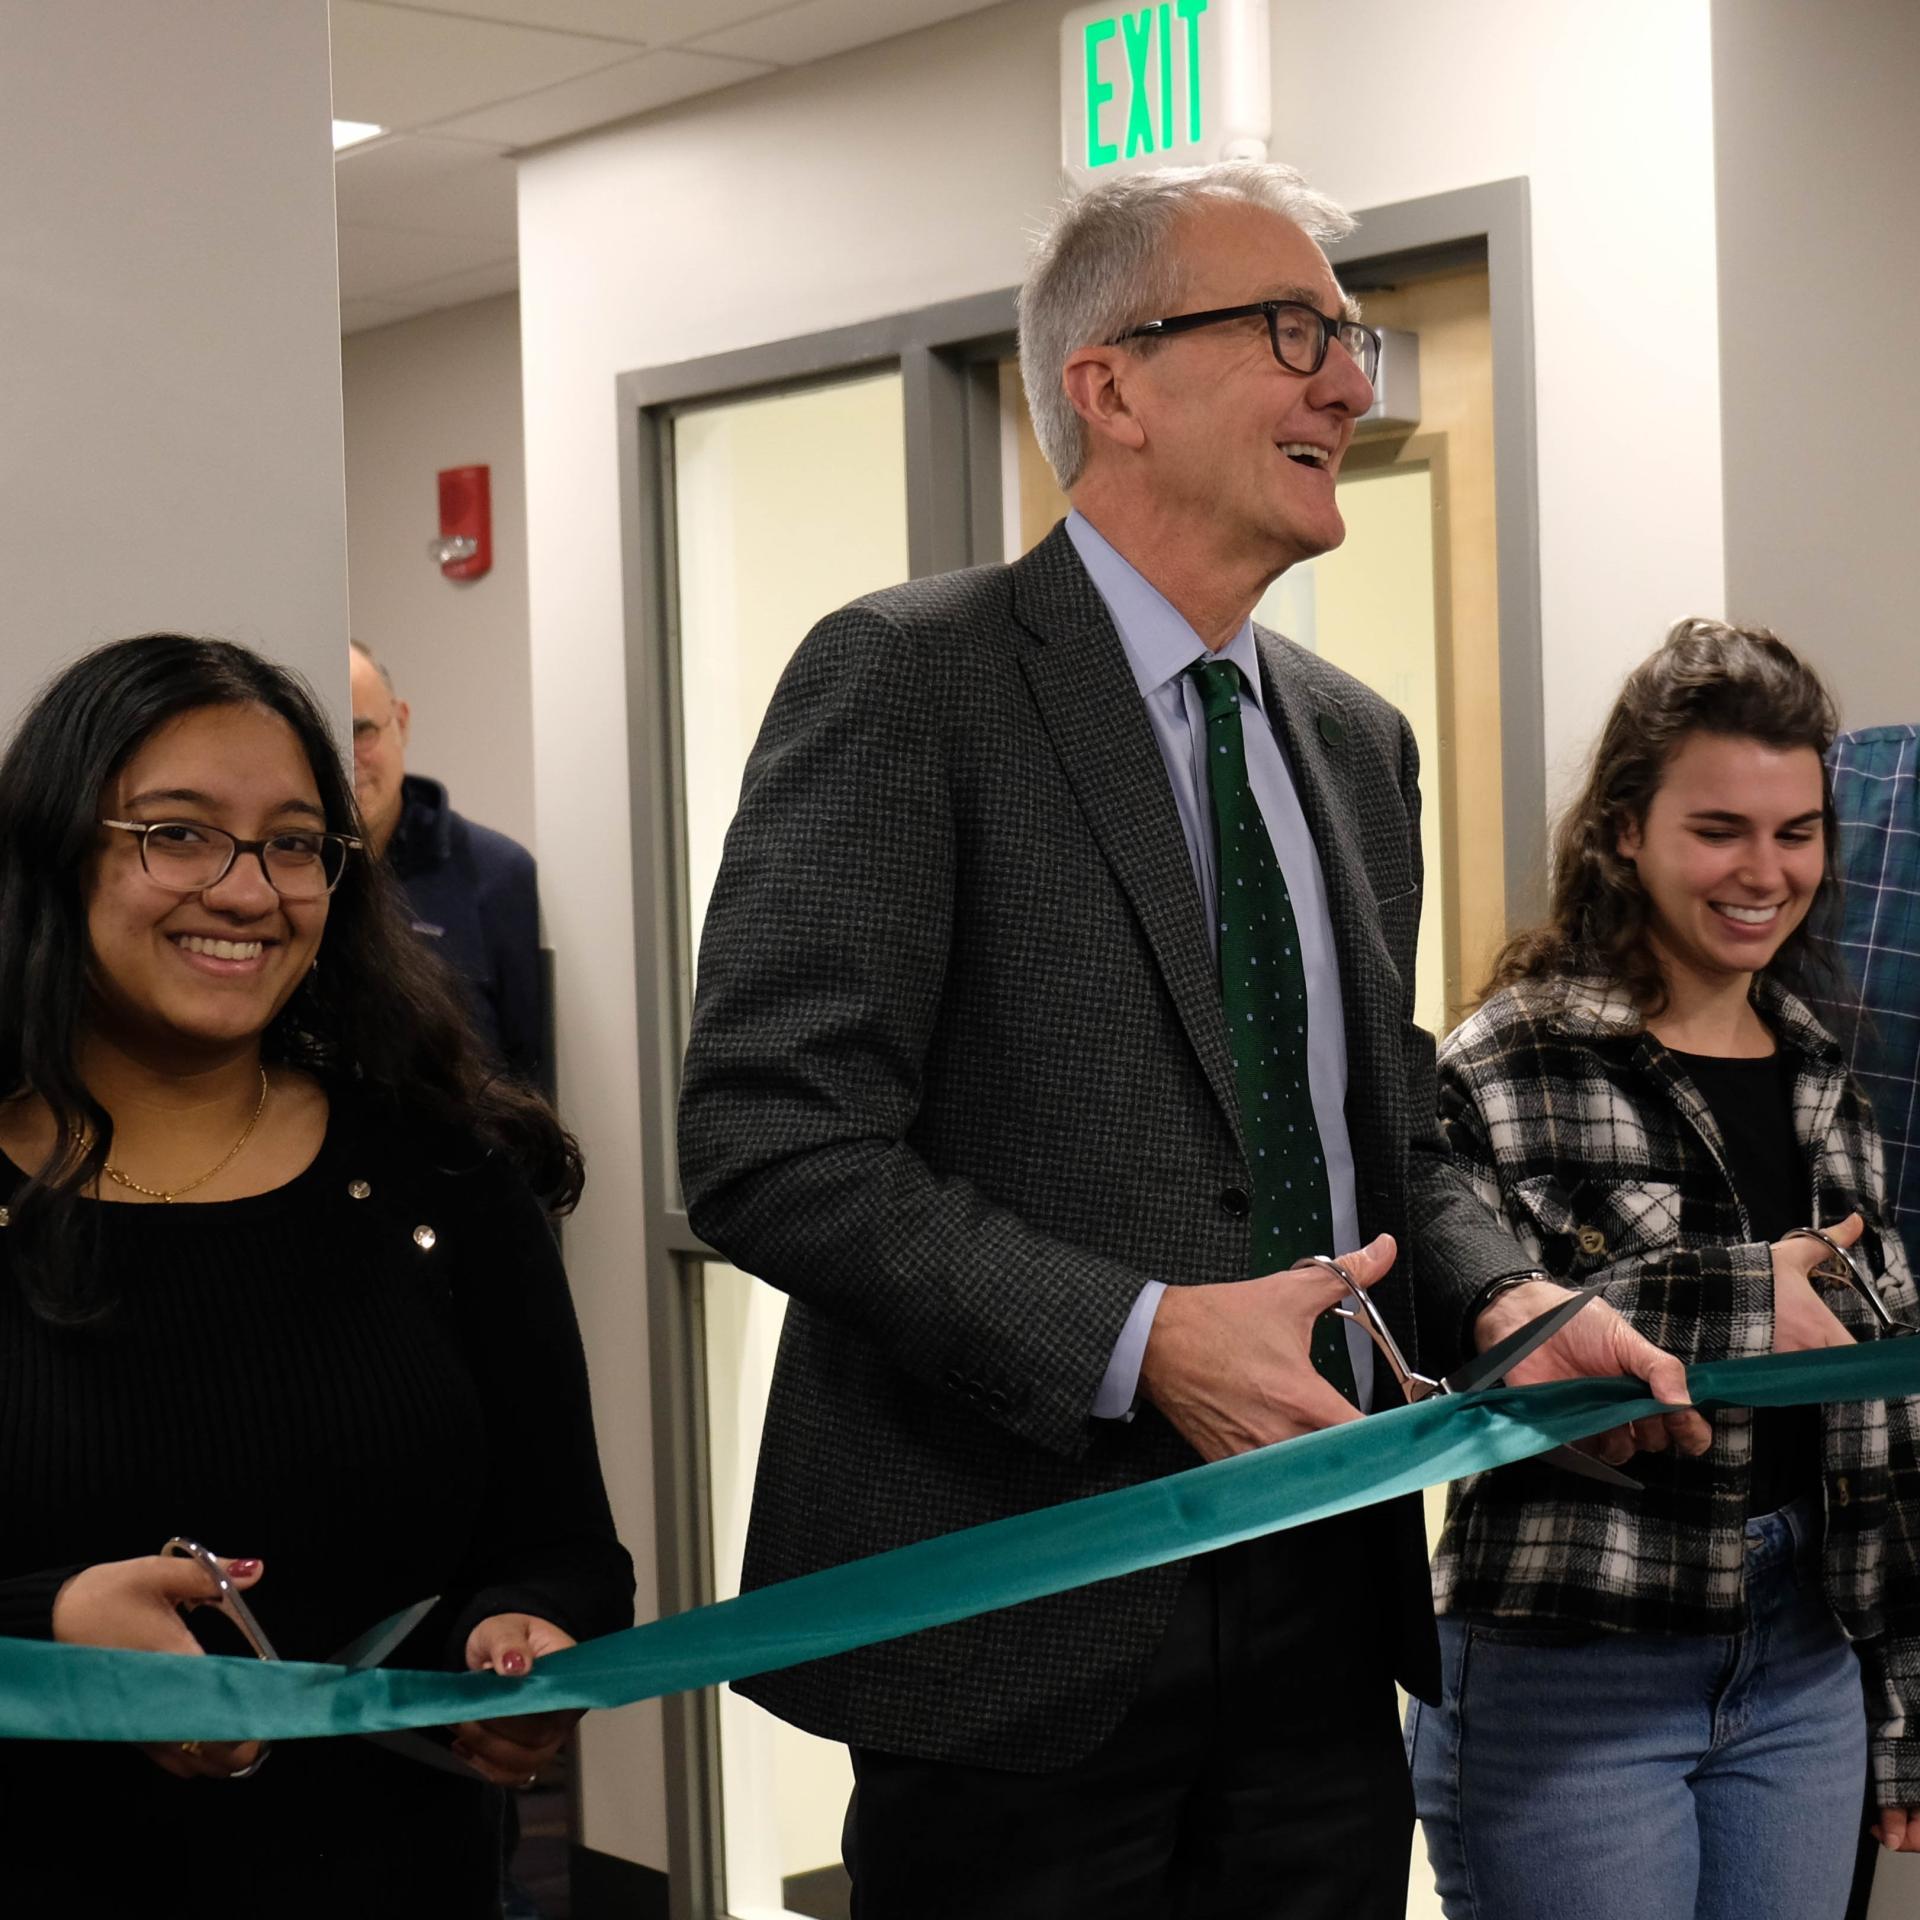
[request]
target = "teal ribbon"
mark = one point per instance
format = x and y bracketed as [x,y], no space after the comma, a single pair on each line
[53,1692]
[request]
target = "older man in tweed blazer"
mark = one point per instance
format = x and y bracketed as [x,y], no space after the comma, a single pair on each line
[961,1083]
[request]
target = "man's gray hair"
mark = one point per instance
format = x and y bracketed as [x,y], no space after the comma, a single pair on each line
[1106,263]
[373,660]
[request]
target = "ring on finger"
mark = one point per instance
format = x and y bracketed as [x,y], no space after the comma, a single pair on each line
[191,1748]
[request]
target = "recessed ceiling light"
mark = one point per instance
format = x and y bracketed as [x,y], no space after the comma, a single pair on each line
[349,133]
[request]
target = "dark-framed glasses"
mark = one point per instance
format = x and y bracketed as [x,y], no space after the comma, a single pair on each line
[1299,334]
[187,856]
[366,733]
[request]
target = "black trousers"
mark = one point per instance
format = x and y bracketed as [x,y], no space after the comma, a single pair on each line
[1259,1775]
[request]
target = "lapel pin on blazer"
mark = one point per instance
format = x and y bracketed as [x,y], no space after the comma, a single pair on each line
[1333,730]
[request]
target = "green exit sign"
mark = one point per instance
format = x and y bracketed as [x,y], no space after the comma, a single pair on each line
[1174,83]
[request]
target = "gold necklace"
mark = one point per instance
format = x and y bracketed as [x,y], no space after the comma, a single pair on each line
[114,1174]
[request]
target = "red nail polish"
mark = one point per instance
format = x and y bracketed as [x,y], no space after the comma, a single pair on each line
[242,1569]
[513,1661]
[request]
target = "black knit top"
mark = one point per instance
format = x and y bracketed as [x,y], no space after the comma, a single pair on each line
[371,1379]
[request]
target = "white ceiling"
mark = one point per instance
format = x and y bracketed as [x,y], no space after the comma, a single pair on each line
[427,211]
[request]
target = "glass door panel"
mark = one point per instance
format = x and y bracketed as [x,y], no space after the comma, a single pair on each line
[785,506]
[1369,607]
[783,1793]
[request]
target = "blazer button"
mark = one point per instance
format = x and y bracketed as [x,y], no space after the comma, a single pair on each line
[1234,1201]
[952,1381]
[996,1400]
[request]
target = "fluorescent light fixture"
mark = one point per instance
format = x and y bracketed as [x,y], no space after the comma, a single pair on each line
[349,133]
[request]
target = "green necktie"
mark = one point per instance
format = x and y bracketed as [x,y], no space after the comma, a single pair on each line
[1263,991]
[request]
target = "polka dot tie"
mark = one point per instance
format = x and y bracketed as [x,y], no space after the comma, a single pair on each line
[1263,991]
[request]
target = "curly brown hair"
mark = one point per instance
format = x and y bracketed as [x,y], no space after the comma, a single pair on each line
[1705,678]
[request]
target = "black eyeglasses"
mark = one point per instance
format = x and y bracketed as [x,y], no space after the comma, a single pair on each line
[186,856]
[366,733]
[1299,334]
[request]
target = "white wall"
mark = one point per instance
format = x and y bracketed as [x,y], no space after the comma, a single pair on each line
[1819,165]
[170,387]
[910,172]
[444,391]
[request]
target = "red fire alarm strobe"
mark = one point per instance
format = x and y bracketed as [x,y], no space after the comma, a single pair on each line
[464,549]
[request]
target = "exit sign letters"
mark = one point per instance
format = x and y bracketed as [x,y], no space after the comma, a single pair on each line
[1171,84]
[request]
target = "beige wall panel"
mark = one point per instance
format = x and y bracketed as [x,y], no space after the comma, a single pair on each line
[1819,167]
[444,391]
[170,407]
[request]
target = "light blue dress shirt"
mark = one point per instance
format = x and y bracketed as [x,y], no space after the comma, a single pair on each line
[1160,647]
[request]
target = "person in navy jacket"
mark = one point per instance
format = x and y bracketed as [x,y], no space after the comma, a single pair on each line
[471,891]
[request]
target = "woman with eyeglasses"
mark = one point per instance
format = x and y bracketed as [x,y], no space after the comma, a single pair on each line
[1653,1699]
[276,1277]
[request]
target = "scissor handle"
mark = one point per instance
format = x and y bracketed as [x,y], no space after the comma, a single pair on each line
[1413,1386]
[226,1598]
[1841,1269]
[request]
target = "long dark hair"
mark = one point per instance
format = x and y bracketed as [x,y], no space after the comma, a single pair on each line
[379,1012]
[1705,678]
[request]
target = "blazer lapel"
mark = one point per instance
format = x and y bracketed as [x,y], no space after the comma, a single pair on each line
[1091,708]
[1313,725]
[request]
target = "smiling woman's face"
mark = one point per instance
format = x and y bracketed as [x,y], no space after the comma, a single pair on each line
[1731,854]
[202,973]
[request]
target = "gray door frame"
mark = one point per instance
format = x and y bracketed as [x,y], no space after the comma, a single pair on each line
[948,359]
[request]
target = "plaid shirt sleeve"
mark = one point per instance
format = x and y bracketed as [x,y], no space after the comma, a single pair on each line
[1890,1662]
[1876,795]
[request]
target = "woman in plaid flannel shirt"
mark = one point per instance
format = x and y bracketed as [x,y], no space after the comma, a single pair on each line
[1653,1700]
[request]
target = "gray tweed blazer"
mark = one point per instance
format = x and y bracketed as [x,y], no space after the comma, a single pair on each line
[959,1083]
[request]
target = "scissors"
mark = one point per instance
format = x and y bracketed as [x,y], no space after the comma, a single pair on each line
[1488,1369]
[364,1651]
[1841,1269]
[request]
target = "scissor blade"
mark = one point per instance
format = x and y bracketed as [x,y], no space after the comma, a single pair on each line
[1574,1461]
[1491,1367]
[377,1642]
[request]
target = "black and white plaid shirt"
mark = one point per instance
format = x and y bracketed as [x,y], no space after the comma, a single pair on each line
[1876,793]
[1582,1131]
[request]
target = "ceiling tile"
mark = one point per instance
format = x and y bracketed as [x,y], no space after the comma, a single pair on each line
[817,28]
[429,186]
[643,22]
[376,261]
[609,19]
[671,21]
[636,86]
[399,67]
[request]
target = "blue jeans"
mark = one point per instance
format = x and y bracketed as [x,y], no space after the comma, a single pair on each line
[1650,1777]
